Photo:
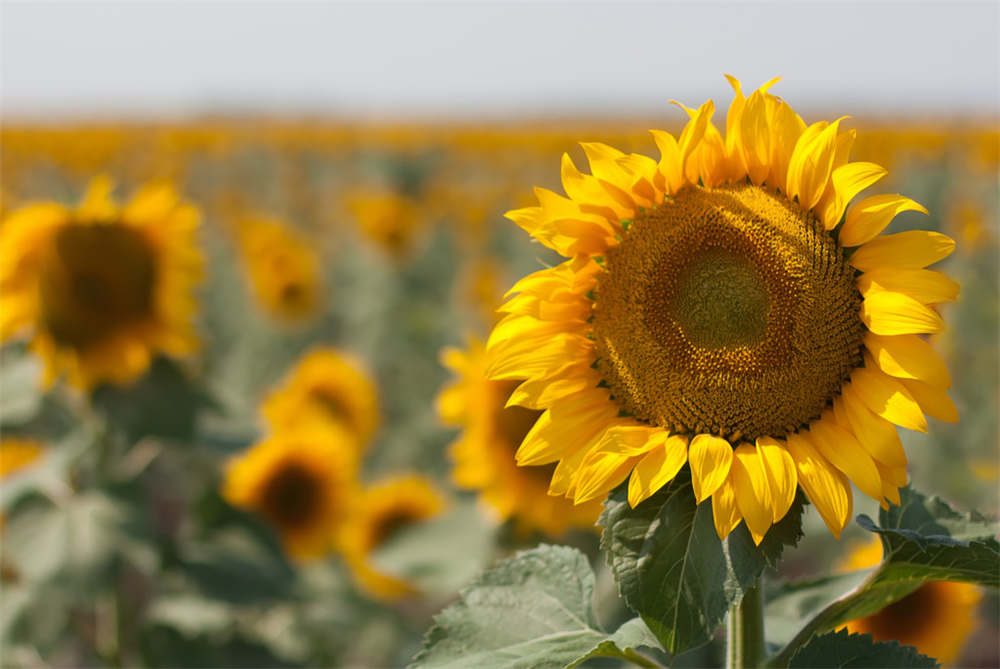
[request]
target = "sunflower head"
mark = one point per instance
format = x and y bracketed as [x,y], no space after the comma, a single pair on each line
[282,267]
[937,618]
[326,387]
[483,454]
[382,510]
[723,308]
[388,219]
[300,482]
[101,289]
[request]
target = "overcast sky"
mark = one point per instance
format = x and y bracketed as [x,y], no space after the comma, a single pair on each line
[493,60]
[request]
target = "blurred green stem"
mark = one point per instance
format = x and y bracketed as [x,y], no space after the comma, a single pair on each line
[745,633]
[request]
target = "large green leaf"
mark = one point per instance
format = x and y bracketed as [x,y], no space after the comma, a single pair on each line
[673,570]
[922,540]
[840,650]
[533,610]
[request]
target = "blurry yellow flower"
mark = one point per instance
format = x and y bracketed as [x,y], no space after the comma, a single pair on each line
[326,387]
[967,221]
[389,219]
[483,454]
[708,316]
[282,267]
[383,509]
[937,618]
[17,453]
[100,290]
[481,288]
[301,482]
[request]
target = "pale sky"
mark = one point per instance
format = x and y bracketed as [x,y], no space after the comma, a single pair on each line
[491,59]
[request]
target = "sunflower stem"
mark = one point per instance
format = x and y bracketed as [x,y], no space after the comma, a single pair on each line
[745,632]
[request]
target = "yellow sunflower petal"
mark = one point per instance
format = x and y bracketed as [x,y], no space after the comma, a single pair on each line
[913,249]
[725,512]
[753,494]
[710,459]
[933,401]
[871,215]
[826,487]
[924,285]
[888,313]
[908,357]
[888,398]
[780,471]
[657,468]
[97,204]
[847,181]
[811,164]
[878,436]
[844,452]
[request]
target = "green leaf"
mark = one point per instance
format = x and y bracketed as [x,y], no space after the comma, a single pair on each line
[841,650]
[533,610]
[922,540]
[20,397]
[673,570]
[163,403]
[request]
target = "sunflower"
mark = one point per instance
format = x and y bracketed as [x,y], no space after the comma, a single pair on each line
[483,454]
[101,289]
[282,267]
[300,482]
[326,387]
[937,618]
[388,219]
[719,309]
[382,510]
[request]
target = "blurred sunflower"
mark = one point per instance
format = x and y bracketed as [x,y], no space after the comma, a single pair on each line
[326,387]
[388,219]
[483,454]
[301,482]
[381,510]
[17,453]
[718,309]
[282,267]
[101,289]
[937,618]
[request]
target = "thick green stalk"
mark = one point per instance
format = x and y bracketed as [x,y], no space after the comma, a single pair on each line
[745,647]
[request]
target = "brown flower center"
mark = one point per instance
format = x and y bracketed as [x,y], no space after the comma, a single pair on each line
[96,280]
[292,497]
[729,311]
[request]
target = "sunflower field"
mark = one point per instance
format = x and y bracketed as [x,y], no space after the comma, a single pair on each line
[309,393]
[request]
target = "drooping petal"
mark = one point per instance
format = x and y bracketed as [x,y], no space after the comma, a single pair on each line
[878,436]
[780,471]
[888,313]
[657,467]
[844,452]
[753,494]
[871,215]
[913,249]
[725,512]
[710,459]
[826,487]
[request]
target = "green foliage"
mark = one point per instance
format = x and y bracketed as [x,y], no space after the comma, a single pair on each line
[922,539]
[840,650]
[533,610]
[673,570]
